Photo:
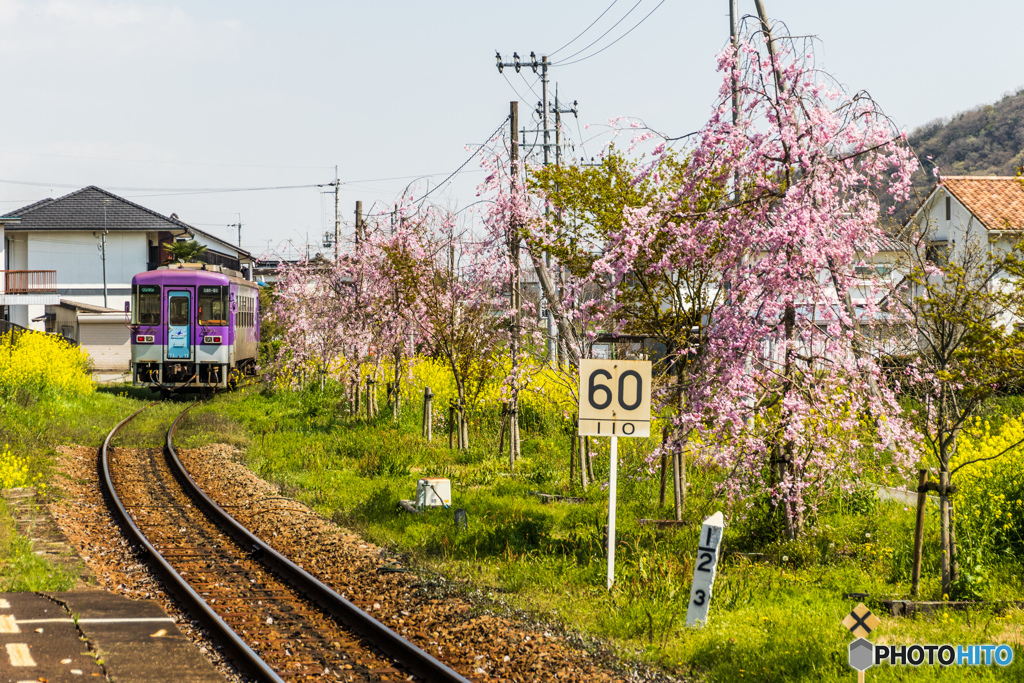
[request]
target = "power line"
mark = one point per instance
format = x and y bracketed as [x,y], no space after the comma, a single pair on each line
[593,54]
[598,39]
[177,191]
[518,94]
[461,166]
[552,54]
[151,161]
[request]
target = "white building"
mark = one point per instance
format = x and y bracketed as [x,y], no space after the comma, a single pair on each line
[83,249]
[987,208]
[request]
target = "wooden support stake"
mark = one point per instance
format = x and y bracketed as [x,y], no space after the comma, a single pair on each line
[573,440]
[664,466]
[451,424]
[922,500]
[428,413]
[370,408]
[501,429]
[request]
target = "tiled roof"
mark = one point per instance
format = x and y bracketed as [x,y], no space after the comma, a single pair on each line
[84,210]
[997,201]
[94,209]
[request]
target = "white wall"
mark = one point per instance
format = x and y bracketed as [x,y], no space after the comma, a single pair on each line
[78,260]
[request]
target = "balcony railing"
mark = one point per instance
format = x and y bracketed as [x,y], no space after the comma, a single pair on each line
[29,282]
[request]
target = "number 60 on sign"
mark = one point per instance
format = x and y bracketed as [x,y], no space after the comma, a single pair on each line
[615,398]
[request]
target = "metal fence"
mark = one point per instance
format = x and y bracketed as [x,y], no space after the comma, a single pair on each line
[16,330]
[29,281]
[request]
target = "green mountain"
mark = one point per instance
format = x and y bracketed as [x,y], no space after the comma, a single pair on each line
[986,140]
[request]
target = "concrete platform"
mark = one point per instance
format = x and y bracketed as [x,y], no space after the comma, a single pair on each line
[94,635]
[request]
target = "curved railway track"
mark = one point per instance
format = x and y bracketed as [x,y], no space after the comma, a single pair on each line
[276,621]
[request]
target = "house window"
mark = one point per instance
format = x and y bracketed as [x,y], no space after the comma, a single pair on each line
[949,208]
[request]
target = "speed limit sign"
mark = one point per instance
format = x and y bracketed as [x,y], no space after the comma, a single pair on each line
[615,397]
[615,400]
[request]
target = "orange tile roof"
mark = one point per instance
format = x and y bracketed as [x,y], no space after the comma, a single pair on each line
[997,201]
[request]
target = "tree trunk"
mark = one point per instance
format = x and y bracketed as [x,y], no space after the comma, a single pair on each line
[357,389]
[783,446]
[587,459]
[677,484]
[370,408]
[501,429]
[573,441]
[565,328]
[664,474]
[954,566]
[944,533]
[396,398]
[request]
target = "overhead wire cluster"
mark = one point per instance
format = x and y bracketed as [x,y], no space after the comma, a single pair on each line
[571,58]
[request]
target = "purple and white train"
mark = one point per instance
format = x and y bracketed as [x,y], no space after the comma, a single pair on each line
[193,325]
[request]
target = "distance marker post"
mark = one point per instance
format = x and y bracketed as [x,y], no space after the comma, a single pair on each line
[615,400]
[704,570]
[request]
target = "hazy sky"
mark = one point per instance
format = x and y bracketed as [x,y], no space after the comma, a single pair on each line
[157,101]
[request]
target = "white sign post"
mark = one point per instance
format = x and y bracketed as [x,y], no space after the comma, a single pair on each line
[704,570]
[615,400]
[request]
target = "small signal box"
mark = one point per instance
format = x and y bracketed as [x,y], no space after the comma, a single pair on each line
[433,492]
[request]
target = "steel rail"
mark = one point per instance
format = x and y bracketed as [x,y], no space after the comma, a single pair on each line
[408,655]
[238,649]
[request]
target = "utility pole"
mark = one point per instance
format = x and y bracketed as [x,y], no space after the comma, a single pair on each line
[552,334]
[734,38]
[238,225]
[359,222]
[337,215]
[103,251]
[515,294]
[543,264]
[558,124]
[558,162]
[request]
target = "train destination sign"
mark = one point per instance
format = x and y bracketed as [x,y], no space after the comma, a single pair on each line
[615,398]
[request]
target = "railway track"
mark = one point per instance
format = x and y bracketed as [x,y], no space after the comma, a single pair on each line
[273,619]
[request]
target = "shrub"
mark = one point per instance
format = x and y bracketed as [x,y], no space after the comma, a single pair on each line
[34,364]
[14,471]
[990,503]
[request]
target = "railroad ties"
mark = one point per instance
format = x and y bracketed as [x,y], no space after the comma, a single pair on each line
[270,621]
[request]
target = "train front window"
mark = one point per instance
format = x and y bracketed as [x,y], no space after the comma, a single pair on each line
[213,305]
[177,310]
[147,305]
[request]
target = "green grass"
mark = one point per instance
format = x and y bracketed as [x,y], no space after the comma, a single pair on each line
[20,568]
[34,427]
[774,619]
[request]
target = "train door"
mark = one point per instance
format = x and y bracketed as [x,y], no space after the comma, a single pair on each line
[179,328]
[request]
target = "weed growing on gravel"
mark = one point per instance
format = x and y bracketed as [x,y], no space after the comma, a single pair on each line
[23,570]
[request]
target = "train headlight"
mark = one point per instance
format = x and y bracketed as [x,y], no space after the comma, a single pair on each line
[212,339]
[143,339]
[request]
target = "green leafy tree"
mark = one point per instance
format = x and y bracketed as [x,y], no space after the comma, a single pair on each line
[668,307]
[958,308]
[186,251]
